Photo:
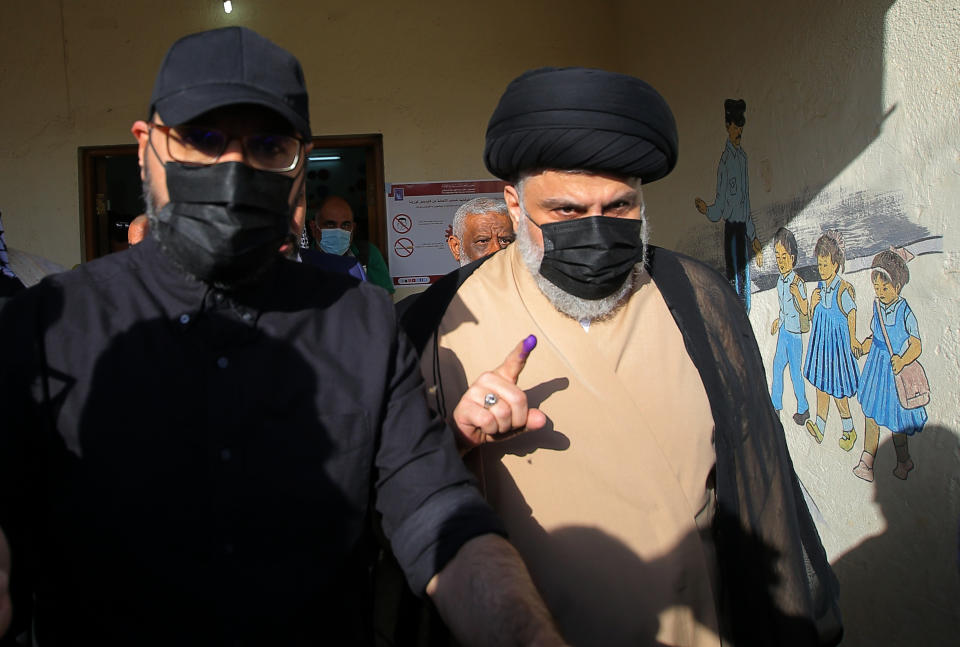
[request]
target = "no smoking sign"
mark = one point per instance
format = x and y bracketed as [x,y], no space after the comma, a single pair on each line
[403,247]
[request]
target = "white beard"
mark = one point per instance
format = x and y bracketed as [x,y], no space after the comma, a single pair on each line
[571,305]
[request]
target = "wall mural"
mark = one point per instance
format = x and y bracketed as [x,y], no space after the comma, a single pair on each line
[832,352]
[793,320]
[732,204]
[832,235]
[893,388]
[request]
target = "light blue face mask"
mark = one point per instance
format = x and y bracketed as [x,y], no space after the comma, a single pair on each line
[334,241]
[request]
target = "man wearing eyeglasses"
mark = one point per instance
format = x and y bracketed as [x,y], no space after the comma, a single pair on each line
[480,227]
[189,454]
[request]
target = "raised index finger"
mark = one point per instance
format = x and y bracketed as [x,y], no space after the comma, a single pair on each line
[516,359]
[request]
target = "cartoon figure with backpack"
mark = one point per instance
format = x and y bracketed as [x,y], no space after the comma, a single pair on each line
[893,389]
[831,362]
[792,321]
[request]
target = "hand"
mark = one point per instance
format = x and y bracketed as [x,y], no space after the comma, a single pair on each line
[795,290]
[758,251]
[775,327]
[476,424]
[701,206]
[856,349]
[897,363]
[865,346]
[815,299]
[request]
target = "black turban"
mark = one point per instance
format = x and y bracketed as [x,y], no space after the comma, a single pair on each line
[577,118]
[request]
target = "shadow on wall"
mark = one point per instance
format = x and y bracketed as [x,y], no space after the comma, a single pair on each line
[902,587]
[812,76]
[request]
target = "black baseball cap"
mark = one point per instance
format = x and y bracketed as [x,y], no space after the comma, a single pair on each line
[227,66]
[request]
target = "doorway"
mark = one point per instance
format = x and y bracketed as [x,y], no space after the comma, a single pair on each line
[110,197]
[351,167]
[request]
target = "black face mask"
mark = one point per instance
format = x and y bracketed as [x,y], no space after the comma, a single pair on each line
[226,222]
[590,257]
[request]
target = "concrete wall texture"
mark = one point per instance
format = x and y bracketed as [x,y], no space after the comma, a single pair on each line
[851,125]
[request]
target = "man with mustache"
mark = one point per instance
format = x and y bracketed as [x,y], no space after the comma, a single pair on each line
[190,455]
[651,493]
[480,227]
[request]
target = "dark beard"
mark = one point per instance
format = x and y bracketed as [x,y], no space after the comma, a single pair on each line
[148,200]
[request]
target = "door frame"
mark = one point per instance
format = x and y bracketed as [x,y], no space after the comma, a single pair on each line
[91,223]
[376,185]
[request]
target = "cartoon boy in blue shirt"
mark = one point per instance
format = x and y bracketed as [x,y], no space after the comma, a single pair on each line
[792,293]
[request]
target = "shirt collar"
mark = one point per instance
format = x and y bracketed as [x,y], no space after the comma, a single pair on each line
[189,296]
[788,278]
[889,309]
[733,149]
[833,284]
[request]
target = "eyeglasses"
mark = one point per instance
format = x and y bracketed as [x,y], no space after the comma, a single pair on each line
[202,146]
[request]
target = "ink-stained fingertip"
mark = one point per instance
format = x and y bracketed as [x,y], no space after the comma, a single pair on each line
[529,344]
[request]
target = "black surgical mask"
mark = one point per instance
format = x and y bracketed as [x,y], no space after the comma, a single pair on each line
[225,222]
[590,257]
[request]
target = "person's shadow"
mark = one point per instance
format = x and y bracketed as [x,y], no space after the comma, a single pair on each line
[902,586]
[204,481]
[601,593]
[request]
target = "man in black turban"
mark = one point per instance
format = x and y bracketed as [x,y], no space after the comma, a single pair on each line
[651,495]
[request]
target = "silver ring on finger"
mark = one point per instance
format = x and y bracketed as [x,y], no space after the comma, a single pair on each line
[489,400]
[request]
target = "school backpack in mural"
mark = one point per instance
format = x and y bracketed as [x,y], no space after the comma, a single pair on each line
[804,318]
[913,389]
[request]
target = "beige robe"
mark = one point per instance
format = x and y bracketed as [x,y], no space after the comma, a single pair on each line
[603,503]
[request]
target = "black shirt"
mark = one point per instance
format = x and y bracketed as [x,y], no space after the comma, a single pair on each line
[183,465]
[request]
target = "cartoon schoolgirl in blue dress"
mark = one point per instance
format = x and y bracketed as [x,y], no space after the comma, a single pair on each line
[878,391]
[831,362]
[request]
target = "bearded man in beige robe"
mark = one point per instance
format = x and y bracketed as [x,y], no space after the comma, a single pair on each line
[651,493]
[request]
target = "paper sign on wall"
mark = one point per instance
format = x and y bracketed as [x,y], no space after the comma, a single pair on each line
[418,219]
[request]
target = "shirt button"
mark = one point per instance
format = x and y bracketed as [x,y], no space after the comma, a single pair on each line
[223,362]
[225,455]
[247,316]
[184,318]
[218,296]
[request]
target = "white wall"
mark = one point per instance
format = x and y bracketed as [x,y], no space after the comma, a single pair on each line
[851,124]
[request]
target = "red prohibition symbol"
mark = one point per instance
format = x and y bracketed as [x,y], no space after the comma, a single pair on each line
[401,223]
[403,247]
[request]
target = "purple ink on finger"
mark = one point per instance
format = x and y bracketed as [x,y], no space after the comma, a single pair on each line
[528,345]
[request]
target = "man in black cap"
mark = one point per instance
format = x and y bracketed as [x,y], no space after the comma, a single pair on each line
[189,455]
[651,495]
